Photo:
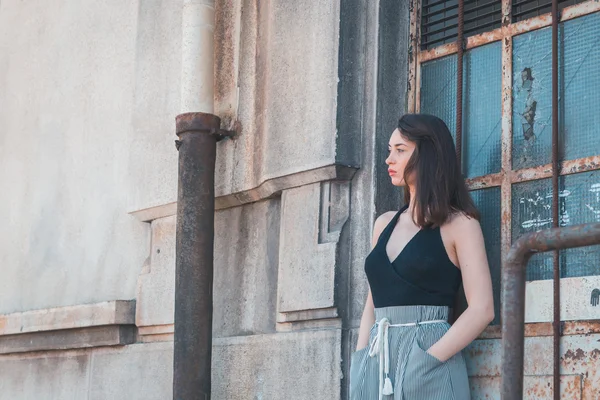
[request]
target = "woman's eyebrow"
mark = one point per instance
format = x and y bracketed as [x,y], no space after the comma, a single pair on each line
[397,144]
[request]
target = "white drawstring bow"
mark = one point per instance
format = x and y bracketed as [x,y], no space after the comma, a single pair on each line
[380,346]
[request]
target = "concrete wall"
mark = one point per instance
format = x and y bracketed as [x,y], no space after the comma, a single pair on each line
[67,85]
[89,92]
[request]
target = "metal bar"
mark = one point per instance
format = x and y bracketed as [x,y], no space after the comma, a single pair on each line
[517,3]
[537,329]
[482,7]
[555,189]
[435,3]
[506,139]
[438,21]
[413,53]
[482,26]
[569,167]
[439,30]
[198,134]
[441,39]
[471,43]
[437,12]
[459,81]
[491,23]
[513,29]
[486,181]
[513,294]
[469,11]
[488,14]
[534,9]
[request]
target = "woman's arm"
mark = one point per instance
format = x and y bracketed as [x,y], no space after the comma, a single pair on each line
[472,259]
[368,316]
[366,322]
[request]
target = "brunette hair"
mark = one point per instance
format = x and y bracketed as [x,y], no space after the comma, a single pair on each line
[440,189]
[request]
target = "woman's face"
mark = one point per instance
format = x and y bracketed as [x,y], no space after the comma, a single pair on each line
[400,151]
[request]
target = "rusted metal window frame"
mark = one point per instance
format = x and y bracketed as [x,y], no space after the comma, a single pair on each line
[507,177]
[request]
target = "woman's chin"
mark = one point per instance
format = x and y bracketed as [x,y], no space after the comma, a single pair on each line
[397,181]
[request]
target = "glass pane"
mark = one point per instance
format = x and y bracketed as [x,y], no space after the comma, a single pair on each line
[532,212]
[581,87]
[532,99]
[580,204]
[482,112]
[488,204]
[438,90]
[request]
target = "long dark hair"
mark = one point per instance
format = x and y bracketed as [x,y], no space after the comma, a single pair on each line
[440,189]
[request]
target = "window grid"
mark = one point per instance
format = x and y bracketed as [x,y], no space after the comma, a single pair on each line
[511,27]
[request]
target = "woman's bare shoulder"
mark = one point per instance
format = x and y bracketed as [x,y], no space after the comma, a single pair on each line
[460,224]
[380,223]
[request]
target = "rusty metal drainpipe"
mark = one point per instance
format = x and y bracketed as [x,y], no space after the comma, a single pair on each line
[513,294]
[198,135]
[459,80]
[198,132]
[555,198]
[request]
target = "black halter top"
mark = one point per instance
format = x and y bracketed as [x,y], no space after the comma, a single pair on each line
[422,274]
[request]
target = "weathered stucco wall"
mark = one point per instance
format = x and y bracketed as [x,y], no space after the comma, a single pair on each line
[89,93]
[67,82]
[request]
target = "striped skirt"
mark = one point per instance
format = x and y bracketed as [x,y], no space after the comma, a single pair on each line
[396,366]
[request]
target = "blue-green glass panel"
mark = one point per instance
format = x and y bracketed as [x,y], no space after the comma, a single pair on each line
[482,110]
[488,204]
[532,212]
[532,99]
[581,87]
[579,203]
[438,90]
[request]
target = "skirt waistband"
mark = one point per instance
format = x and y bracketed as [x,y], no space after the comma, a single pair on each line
[411,314]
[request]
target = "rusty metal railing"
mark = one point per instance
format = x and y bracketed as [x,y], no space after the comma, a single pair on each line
[513,294]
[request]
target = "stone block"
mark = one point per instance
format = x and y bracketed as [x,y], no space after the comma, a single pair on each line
[87,325]
[48,377]
[118,312]
[136,372]
[155,303]
[249,368]
[312,218]
[96,336]
[245,277]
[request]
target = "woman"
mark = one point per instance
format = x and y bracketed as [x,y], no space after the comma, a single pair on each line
[406,348]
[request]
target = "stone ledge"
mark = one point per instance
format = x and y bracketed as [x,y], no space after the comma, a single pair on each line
[267,189]
[117,312]
[108,323]
[112,335]
[308,315]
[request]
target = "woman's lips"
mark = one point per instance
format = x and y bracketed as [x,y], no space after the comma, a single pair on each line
[391,172]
